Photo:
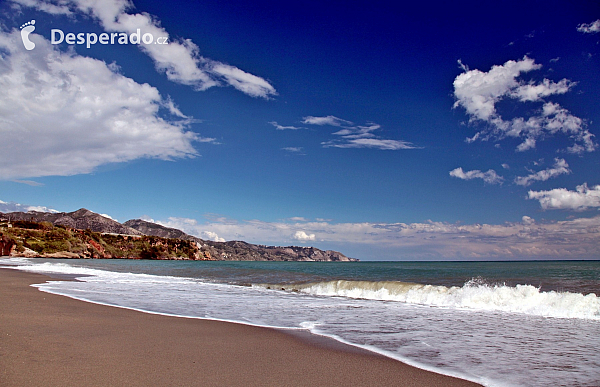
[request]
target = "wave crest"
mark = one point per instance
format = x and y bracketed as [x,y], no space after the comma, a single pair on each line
[475,294]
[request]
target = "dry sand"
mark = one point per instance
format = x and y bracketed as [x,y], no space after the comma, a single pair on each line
[49,340]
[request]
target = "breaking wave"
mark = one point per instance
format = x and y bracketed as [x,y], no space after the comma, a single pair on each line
[475,294]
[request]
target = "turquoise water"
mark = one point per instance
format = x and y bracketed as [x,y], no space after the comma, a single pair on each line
[497,323]
[570,276]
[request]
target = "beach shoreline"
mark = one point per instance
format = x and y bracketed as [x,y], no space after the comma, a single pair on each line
[53,340]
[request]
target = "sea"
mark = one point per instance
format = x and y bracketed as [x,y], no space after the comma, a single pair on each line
[496,323]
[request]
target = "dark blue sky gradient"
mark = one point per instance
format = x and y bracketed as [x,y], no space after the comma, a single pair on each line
[390,64]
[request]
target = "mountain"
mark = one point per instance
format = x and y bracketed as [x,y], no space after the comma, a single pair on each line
[25,238]
[238,250]
[81,219]
[149,228]
[84,219]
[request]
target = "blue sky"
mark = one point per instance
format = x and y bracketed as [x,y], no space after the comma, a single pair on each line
[421,131]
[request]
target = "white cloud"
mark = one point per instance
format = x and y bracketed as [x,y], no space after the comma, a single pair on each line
[29,182]
[108,216]
[243,81]
[16,207]
[490,177]
[577,238]
[179,60]
[328,120]
[48,7]
[356,132]
[294,149]
[560,167]
[571,239]
[589,28]
[561,198]
[211,236]
[526,220]
[534,92]
[303,236]
[174,110]
[298,219]
[479,92]
[75,113]
[529,143]
[281,127]
[356,136]
[371,143]
[189,226]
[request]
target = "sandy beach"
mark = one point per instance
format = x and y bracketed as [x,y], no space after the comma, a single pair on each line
[49,340]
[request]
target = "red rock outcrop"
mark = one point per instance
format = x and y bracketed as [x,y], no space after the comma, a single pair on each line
[6,244]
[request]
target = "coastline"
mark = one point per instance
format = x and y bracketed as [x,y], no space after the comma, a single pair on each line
[52,340]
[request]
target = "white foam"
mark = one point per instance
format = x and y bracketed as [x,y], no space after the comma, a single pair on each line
[89,274]
[474,295]
[447,338]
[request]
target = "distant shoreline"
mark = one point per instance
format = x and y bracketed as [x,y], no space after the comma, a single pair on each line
[85,234]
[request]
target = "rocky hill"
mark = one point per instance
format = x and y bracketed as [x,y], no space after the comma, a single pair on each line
[238,250]
[149,228]
[137,238]
[25,238]
[81,219]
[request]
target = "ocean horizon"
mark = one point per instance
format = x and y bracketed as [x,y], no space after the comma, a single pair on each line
[509,323]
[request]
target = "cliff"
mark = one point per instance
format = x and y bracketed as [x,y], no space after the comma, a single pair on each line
[6,245]
[85,234]
[32,239]
[241,251]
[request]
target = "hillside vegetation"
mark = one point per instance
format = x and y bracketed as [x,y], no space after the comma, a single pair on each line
[86,234]
[43,239]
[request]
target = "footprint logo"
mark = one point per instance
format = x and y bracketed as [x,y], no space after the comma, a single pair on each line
[26,29]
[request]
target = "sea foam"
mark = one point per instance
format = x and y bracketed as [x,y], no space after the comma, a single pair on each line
[475,331]
[475,294]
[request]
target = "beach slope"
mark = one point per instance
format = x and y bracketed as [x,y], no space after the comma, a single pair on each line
[50,340]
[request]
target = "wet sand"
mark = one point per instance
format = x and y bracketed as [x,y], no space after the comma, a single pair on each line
[50,340]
